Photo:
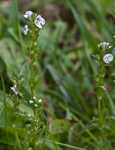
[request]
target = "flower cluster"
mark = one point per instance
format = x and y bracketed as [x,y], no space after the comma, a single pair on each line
[38,21]
[104,45]
[108,57]
[35,101]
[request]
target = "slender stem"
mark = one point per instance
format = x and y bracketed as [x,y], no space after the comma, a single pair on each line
[18,140]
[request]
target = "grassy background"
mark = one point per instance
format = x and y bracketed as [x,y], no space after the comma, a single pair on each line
[67,70]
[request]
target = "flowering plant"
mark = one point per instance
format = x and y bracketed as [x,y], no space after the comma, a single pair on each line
[104,59]
[35,101]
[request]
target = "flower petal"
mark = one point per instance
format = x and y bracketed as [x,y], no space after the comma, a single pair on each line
[28,14]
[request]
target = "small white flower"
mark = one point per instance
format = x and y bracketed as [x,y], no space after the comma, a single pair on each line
[14,89]
[108,58]
[110,46]
[31,101]
[35,105]
[107,43]
[28,14]
[114,36]
[40,100]
[34,97]
[26,29]
[39,21]
[29,115]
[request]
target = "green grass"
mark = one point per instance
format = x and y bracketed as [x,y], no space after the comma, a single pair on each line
[66,70]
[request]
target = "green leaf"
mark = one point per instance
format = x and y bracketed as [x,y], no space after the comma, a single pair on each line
[25,109]
[3,26]
[13,12]
[107,5]
[2,66]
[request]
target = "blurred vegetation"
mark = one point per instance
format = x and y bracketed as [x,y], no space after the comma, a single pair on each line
[67,43]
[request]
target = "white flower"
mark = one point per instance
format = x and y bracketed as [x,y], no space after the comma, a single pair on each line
[39,21]
[108,58]
[26,29]
[35,105]
[29,115]
[14,89]
[40,100]
[34,97]
[110,46]
[28,14]
[114,36]
[31,101]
